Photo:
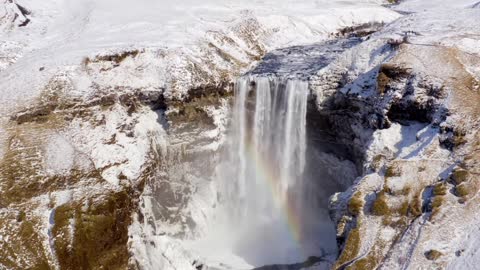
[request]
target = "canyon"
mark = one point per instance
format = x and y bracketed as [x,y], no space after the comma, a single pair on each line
[227,135]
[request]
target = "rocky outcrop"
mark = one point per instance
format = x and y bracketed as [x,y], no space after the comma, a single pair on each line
[110,165]
[14,15]
[59,176]
[414,142]
[106,158]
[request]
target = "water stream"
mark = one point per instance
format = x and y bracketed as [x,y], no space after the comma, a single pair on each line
[261,182]
[272,186]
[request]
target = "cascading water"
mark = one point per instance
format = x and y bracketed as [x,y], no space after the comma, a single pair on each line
[267,148]
[265,213]
[269,210]
[270,191]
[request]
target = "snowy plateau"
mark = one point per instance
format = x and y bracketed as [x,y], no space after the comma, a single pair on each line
[238,135]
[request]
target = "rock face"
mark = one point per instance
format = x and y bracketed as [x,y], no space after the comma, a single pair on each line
[413,119]
[108,150]
[14,15]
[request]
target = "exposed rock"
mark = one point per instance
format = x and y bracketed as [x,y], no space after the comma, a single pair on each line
[408,93]
[110,164]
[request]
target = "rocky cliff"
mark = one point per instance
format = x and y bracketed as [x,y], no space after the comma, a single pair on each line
[111,127]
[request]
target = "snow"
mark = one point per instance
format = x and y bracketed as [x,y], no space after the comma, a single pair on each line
[157,252]
[63,197]
[63,32]
[59,155]
[218,256]
[172,37]
[386,140]
[403,141]
[413,148]
[469,45]
[129,153]
[220,118]
[438,27]
[43,213]
[9,53]
[421,5]
[469,255]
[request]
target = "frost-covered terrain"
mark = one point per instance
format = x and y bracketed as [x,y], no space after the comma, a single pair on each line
[218,36]
[115,116]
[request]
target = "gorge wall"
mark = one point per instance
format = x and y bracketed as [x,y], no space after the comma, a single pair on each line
[109,152]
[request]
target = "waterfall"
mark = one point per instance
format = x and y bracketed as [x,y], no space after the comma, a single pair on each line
[268,209]
[267,147]
[261,181]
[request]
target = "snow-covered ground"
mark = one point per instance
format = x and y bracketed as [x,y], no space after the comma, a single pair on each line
[420,6]
[180,45]
[442,50]
[51,47]
[63,33]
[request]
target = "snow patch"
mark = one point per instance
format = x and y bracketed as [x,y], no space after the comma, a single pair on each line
[117,151]
[421,5]
[469,45]
[62,197]
[157,252]
[175,37]
[59,155]
[220,118]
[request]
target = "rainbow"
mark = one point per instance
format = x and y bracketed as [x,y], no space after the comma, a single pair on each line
[265,170]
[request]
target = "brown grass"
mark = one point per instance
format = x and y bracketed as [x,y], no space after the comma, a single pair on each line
[459,176]
[404,208]
[440,189]
[100,236]
[392,171]
[416,206]
[436,205]
[462,190]
[116,58]
[380,206]
[355,205]
[432,255]
[350,250]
